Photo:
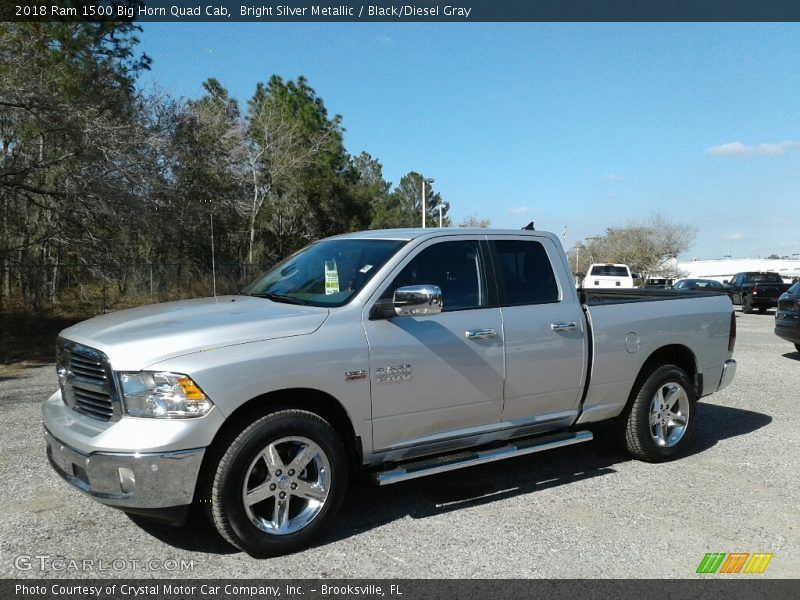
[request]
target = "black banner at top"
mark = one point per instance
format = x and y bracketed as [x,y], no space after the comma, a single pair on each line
[457,11]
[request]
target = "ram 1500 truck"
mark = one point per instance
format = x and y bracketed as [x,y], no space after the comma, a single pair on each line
[403,352]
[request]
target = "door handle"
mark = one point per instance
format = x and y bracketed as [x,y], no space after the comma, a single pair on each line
[480,334]
[563,326]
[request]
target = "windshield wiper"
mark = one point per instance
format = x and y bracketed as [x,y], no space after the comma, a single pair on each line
[279,298]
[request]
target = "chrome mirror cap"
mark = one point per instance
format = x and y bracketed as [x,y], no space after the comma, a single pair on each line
[418,300]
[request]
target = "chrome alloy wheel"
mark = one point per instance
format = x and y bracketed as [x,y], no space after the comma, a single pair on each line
[286,485]
[669,414]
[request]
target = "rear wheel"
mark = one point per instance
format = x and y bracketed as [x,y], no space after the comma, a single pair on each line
[762,309]
[279,484]
[797,347]
[661,418]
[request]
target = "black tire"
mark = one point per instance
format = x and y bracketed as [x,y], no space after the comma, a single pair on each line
[249,455]
[797,347]
[747,308]
[640,437]
[762,309]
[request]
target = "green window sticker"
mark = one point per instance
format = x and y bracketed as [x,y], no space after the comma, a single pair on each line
[331,278]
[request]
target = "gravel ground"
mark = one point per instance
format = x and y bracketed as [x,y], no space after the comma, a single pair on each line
[584,511]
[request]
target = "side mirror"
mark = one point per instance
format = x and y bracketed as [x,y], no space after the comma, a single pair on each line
[418,300]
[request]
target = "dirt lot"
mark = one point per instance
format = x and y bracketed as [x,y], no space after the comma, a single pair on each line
[584,511]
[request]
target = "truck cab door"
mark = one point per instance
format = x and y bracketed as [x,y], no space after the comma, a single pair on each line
[546,350]
[734,290]
[437,377]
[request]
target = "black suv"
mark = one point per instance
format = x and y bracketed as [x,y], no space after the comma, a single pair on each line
[787,319]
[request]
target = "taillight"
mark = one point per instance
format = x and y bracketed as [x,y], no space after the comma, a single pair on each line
[755,290]
[732,333]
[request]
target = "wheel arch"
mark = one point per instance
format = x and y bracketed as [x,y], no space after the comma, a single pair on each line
[312,400]
[673,354]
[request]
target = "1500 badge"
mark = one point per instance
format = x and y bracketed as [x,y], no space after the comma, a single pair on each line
[393,374]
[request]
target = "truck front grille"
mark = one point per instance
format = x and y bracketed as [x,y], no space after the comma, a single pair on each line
[87,385]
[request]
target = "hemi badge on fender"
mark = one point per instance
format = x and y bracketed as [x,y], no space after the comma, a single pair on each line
[355,375]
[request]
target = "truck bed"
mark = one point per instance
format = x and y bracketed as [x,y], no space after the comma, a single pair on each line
[592,297]
[627,326]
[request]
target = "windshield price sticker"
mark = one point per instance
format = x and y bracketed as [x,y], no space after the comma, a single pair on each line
[331,278]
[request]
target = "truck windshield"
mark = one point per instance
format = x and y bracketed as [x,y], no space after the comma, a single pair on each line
[326,273]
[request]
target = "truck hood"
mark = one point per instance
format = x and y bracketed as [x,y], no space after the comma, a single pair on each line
[136,338]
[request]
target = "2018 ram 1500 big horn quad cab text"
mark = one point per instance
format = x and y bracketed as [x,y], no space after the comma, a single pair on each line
[405,352]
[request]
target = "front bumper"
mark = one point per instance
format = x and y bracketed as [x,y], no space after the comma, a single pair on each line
[728,373]
[788,329]
[135,480]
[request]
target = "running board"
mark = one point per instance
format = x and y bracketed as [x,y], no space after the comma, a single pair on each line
[451,462]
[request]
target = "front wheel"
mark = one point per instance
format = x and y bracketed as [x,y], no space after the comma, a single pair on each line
[661,417]
[279,484]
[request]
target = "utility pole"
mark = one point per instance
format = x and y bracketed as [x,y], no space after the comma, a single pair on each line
[424,204]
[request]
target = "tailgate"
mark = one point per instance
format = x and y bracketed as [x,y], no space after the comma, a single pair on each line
[767,291]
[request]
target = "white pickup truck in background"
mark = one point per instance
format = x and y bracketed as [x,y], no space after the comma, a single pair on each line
[608,276]
[403,352]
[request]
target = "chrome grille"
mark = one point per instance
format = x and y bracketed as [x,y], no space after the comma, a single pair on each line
[87,385]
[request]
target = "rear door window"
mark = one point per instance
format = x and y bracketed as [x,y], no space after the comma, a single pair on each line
[524,273]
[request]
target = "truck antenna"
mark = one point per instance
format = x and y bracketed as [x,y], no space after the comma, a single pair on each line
[213,262]
[529,227]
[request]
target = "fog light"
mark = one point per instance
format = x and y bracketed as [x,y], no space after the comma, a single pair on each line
[127,479]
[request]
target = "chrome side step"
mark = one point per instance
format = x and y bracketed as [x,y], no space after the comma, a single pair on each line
[451,462]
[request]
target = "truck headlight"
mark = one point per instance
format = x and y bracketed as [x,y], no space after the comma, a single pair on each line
[162,395]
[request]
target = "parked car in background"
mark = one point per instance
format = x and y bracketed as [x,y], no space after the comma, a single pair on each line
[698,285]
[787,319]
[608,276]
[658,283]
[756,289]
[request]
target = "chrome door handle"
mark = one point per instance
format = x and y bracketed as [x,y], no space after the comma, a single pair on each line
[563,326]
[480,334]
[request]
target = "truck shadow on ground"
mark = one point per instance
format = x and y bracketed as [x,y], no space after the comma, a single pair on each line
[368,507]
[792,355]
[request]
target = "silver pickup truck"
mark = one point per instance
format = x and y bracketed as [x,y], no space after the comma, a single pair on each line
[403,352]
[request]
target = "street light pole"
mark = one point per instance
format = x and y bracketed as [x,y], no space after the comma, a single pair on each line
[591,239]
[424,205]
[443,204]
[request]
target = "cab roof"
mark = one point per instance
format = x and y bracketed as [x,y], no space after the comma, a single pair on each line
[411,234]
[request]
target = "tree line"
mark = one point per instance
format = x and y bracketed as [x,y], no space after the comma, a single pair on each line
[106,187]
[649,247]
[109,194]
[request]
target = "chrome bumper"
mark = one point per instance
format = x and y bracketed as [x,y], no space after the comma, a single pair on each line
[138,480]
[728,373]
